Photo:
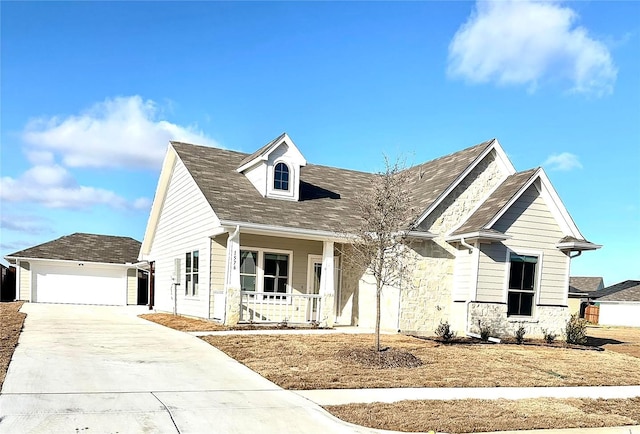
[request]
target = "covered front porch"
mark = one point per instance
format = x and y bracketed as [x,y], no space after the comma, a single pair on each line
[263,275]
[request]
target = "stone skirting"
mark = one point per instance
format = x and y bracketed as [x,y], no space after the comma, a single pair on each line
[494,315]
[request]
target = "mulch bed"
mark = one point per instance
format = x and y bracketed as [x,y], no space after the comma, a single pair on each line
[386,358]
[12,322]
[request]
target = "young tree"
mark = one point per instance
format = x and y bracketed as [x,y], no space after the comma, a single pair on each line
[380,243]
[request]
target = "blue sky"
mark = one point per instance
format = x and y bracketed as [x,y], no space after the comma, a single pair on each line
[92,92]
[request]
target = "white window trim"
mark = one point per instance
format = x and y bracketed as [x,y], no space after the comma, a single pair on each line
[189,295]
[538,281]
[260,271]
[271,175]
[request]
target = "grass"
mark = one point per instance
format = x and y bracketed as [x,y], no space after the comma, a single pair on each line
[12,321]
[311,362]
[182,323]
[624,340]
[474,415]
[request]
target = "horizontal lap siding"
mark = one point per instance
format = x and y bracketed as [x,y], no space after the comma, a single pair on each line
[25,281]
[531,226]
[301,251]
[491,274]
[132,286]
[184,225]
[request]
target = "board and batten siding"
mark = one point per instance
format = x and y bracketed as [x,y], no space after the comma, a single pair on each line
[185,223]
[462,275]
[532,229]
[132,286]
[25,281]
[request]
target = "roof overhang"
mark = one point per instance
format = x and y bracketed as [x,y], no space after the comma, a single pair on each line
[577,246]
[280,231]
[481,235]
[15,259]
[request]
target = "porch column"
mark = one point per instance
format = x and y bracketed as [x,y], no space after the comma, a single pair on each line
[232,279]
[327,285]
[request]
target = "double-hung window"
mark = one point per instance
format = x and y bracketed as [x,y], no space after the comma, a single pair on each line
[264,271]
[522,284]
[192,260]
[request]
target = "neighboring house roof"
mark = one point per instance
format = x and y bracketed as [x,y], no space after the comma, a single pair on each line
[629,290]
[495,203]
[85,248]
[328,195]
[629,293]
[583,284]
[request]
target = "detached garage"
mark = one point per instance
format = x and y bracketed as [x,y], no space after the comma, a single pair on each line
[620,305]
[81,269]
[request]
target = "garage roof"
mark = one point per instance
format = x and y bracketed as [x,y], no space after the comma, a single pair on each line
[85,248]
[629,290]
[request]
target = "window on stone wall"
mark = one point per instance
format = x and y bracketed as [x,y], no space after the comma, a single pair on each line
[522,283]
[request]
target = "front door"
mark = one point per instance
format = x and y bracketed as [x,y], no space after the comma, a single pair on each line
[314,272]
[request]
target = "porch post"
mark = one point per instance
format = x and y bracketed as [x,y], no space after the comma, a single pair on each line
[232,279]
[327,285]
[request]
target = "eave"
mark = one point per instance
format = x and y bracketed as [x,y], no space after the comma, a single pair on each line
[577,246]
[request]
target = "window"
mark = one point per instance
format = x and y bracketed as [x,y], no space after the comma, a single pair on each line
[248,270]
[522,278]
[191,279]
[281,177]
[272,276]
[276,272]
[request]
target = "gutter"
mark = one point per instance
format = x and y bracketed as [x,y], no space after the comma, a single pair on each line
[282,231]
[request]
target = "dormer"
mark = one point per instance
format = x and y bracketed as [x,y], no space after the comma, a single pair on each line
[274,169]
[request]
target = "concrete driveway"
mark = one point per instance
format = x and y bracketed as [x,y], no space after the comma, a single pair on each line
[101,369]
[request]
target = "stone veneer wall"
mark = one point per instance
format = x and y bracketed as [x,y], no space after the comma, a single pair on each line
[495,316]
[428,301]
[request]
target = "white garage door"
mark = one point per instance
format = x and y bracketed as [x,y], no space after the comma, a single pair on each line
[620,314]
[80,284]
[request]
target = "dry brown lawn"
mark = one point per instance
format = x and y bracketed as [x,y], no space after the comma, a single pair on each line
[474,415]
[311,362]
[12,321]
[625,340]
[182,323]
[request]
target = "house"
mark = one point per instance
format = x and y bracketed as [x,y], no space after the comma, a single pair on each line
[80,269]
[579,289]
[240,237]
[619,304]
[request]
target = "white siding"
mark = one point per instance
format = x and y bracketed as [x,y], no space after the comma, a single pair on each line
[258,177]
[462,276]
[533,229]
[619,313]
[185,223]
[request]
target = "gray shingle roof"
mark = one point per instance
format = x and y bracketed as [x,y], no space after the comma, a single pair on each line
[496,201]
[260,152]
[85,248]
[327,194]
[584,284]
[628,290]
[631,293]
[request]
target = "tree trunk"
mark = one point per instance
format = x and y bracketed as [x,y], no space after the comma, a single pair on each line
[378,291]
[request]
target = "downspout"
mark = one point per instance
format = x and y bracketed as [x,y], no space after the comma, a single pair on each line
[579,252]
[467,327]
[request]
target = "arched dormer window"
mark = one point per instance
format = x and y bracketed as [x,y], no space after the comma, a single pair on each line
[281,177]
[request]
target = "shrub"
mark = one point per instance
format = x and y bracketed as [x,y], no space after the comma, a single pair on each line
[520,332]
[549,336]
[444,332]
[485,330]
[576,330]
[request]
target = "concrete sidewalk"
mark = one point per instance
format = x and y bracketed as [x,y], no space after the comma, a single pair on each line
[365,396]
[102,369]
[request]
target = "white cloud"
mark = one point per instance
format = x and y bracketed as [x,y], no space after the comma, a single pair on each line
[525,42]
[33,225]
[118,132]
[53,186]
[564,161]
